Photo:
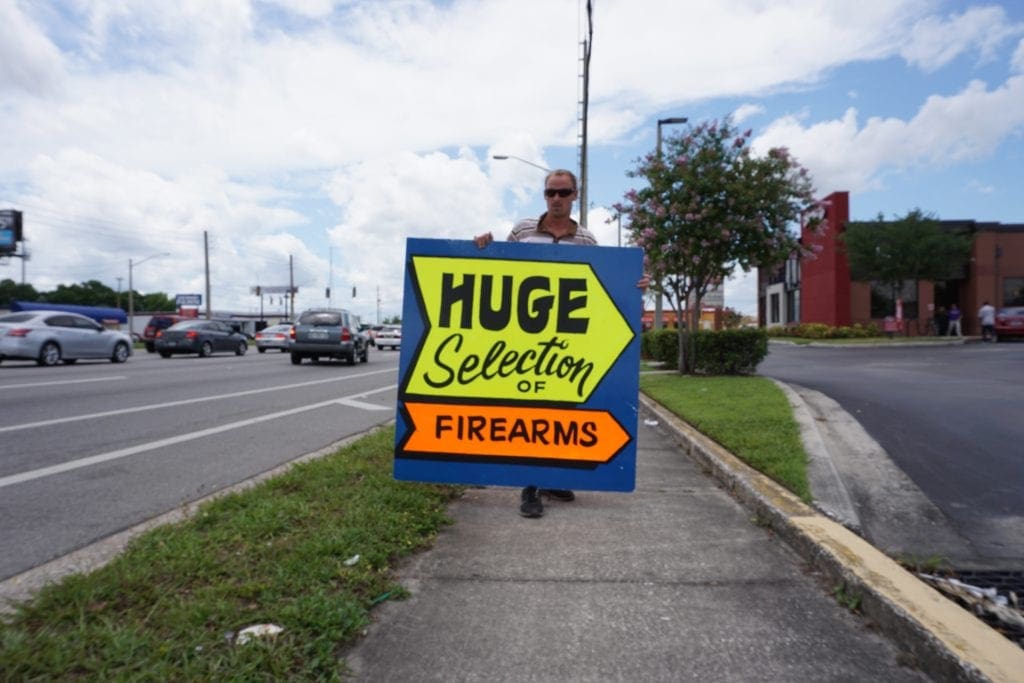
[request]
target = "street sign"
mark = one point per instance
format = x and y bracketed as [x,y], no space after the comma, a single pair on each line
[519,365]
[181,300]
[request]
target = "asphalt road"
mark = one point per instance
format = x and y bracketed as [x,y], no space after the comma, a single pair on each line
[91,449]
[948,416]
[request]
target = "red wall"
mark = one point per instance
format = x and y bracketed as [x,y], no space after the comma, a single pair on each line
[825,278]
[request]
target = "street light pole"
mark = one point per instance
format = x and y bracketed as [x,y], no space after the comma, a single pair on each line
[658,305]
[503,157]
[131,293]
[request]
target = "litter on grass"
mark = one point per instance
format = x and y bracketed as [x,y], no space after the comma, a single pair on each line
[352,561]
[257,631]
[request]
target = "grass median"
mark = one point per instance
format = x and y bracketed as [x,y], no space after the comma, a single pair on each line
[311,551]
[750,416]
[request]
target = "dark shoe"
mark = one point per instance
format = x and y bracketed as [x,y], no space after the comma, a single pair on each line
[561,495]
[531,505]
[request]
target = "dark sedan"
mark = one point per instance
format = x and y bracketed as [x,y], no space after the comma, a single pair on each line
[204,337]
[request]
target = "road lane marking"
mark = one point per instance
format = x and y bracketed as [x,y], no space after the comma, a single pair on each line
[183,402]
[180,438]
[363,405]
[57,383]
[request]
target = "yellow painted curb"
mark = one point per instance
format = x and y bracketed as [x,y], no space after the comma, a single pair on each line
[948,640]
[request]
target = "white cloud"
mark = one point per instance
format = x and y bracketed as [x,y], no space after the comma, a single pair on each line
[746,111]
[934,42]
[1017,61]
[29,61]
[843,155]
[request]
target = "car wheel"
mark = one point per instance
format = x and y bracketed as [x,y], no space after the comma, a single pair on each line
[296,359]
[366,355]
[206,350]
[165,354]
[260,349]
[351,358]
[242,348]
[49,354]
[150,348]
[120,354]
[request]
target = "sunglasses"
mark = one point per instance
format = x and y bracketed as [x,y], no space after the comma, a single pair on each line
[561,192]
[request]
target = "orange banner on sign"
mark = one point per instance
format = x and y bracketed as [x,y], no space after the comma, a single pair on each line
[591,436]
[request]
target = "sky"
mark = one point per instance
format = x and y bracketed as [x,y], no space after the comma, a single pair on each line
[324,133]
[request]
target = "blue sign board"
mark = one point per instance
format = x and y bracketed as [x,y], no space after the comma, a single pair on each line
[181,300]
[519,365]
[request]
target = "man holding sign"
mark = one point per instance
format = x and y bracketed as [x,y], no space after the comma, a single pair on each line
[555,226]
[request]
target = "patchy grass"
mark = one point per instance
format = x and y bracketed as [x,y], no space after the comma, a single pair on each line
[749,416]
[281,553]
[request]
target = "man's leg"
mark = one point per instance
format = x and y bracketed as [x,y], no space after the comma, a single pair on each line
[530,504]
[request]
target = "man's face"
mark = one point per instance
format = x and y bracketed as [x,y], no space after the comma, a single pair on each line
[559,206]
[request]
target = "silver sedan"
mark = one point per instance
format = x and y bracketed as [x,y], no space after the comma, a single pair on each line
[49,337]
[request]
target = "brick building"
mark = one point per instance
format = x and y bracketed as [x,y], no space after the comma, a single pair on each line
[820,290]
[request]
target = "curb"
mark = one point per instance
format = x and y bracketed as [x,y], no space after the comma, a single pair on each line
[946,641]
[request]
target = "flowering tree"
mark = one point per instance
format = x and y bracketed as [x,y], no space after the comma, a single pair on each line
[710,206]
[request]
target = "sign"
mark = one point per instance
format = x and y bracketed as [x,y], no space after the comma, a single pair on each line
[260,290]
[183,300]
[10,230]
[519,365]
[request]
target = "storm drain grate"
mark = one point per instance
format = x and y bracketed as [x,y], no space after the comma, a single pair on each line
[1008,619]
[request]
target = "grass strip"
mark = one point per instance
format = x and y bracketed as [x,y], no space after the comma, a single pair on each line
[282,553]
[749,416]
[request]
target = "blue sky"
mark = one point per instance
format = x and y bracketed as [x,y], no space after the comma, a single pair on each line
[332,130]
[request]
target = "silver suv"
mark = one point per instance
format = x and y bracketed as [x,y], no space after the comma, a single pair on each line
[328,333]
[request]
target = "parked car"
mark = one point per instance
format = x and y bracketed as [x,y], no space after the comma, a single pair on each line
[273,337]
[389,337]
[328,333]
[156,325]
[1009,322]
[204,337]
[49,337]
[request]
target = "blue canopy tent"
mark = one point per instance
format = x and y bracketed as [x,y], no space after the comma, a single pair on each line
[102,315]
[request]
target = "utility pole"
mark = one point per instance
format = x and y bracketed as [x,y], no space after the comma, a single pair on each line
[291,286]
[206,258]
[119,291]
[584,104]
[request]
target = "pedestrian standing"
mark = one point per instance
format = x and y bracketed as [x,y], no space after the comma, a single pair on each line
[555,226]
[954,320]
[987,317]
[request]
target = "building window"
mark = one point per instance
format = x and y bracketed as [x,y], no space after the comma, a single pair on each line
[1013,291]
[793,306]
[883,299]
[775,315]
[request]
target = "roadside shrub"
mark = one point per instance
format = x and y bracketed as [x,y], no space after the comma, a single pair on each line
[730,352]
[661,346]
[723,352]
[822,331]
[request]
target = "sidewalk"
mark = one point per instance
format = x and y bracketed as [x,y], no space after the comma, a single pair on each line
[676,581]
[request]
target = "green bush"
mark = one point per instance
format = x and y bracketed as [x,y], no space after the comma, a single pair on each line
[723,352]
[823,331]
[661,346]
[730,352]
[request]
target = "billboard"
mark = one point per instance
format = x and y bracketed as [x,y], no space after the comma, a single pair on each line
[10,230]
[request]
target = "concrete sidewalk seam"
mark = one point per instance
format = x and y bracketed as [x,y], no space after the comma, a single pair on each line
[947,641]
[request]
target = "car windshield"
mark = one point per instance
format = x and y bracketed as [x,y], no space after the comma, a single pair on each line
[273,329]
[321,318]
[17,318]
